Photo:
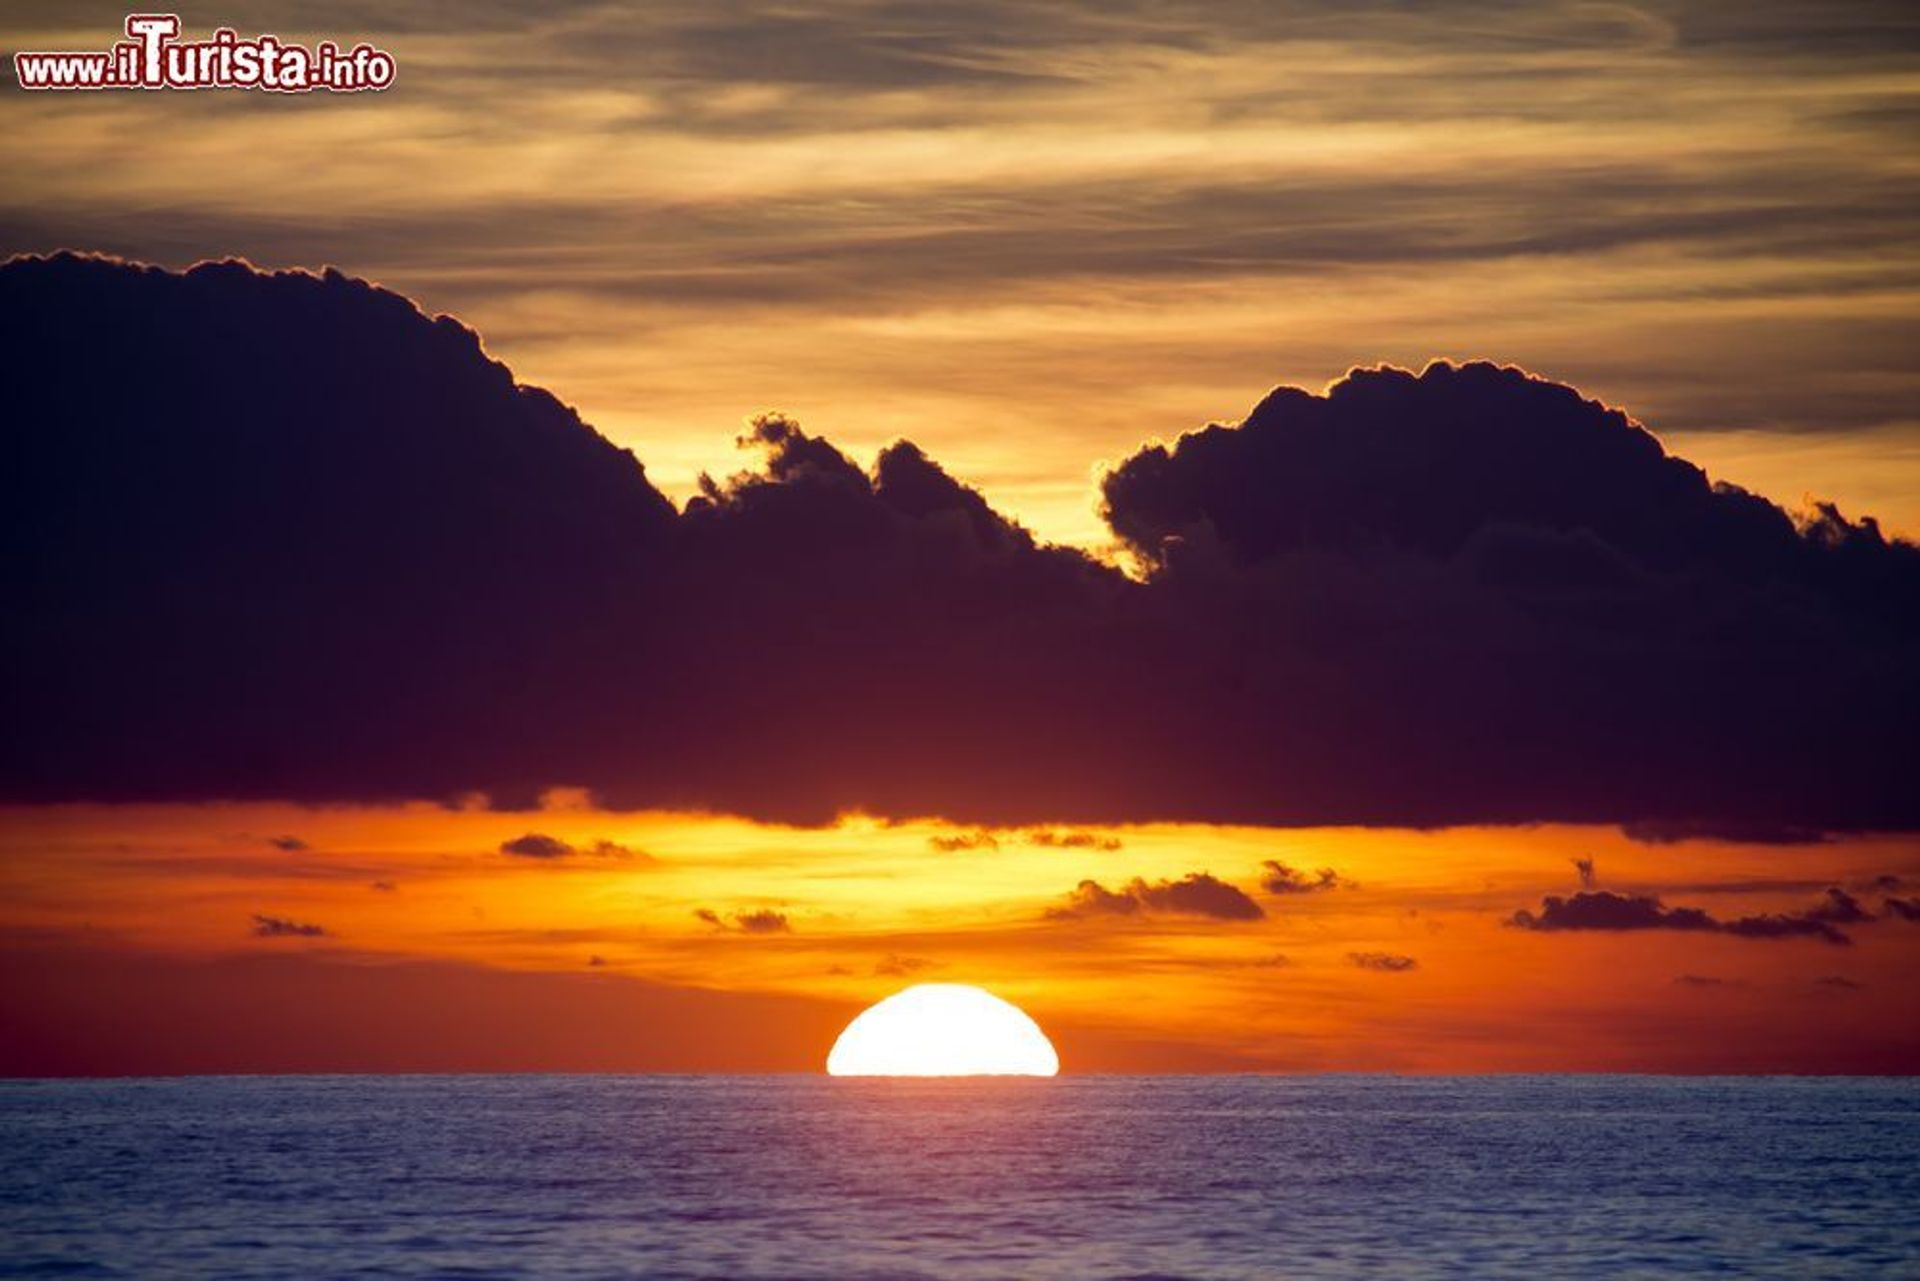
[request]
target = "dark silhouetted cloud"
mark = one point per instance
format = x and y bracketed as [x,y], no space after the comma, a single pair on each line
[1607,911]
[758,921]
[1785,927]
[1670,832]
[1090,898]
[958,841]
[540,846]
[1382,962]
[1045,837]
[1278,878]
[276,927]
[536,845]
[417,578]
[1584,868]
[1073,840]
[385,887]
[1195,894]
[762,921]
[1629,587]
[1904,909]
[621,853]
[1604,910]
[291,844]
[1839,908]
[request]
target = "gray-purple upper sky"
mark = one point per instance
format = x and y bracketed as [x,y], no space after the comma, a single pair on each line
[1030,236]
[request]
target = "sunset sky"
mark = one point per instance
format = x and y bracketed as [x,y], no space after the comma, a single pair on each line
[369,715]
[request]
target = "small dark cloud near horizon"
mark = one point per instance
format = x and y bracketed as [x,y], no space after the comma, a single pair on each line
[291,844]
[763,921]
[1197,894]
[1676,832]
[1604,910]
[1839,908]
[1044,837]
[957,842]
[1773,926]
[275,927]
[536,845]
[618,852]
[543,848]
[1902,909]
[1048,838]
[1839,983]
[1444,569]
[755,921]
[384,887]
[1382,962]
[1280,879]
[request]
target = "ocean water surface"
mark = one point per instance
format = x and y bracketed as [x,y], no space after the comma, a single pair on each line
[1270,1177]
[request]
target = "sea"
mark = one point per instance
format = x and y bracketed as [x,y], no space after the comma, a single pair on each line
[1071,1177]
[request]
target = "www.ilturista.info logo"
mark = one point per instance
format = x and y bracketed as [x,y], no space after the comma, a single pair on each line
[154,57]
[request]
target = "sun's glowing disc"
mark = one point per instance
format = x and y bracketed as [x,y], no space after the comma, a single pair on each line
[943,1029]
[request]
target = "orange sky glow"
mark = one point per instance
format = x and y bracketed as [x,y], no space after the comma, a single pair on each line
[856,910]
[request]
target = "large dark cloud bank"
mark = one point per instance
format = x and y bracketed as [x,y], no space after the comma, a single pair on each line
[283,536]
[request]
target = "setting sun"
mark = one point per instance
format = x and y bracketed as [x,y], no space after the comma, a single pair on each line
[943,1029]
